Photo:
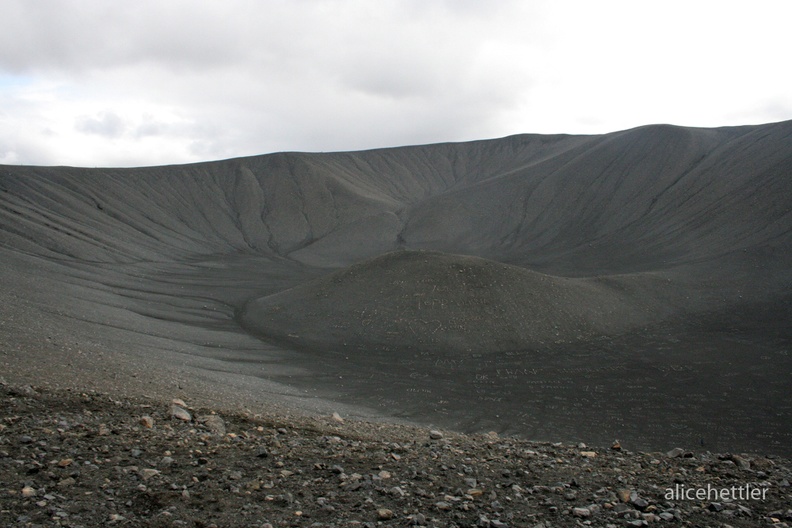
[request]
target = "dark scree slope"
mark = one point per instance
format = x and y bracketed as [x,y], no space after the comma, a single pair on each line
[650,247]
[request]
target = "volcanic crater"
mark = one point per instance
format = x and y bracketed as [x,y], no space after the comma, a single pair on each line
[634,285]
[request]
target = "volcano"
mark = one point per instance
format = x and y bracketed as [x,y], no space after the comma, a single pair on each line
[633,285]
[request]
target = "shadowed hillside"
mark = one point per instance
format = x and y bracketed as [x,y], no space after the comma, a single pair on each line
[549,286]
[416,300]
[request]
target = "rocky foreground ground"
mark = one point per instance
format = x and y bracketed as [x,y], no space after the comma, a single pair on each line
[88,459]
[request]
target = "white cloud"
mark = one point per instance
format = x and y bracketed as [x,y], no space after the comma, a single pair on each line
[97,83]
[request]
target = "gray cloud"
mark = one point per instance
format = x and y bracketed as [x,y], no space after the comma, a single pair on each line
[80,36]
[147,82]
[107,124]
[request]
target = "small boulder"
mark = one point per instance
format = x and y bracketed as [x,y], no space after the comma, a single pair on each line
[148,473]
[675,453]
[742,463]
[214,423]
[180,413]
[624,494]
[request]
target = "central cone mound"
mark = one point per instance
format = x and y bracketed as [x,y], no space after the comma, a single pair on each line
[423,300]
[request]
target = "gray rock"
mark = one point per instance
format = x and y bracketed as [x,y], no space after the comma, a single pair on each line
[67,482]
[28,391]
[180,413]
[418,519]
[740,510]
[214,423]
[624,494]
[675,453]
[629,514]
[741,462]
[148,473]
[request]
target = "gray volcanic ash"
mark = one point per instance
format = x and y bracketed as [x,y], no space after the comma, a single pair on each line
[633,285]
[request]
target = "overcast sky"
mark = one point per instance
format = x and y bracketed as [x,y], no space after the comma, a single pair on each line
[150,82]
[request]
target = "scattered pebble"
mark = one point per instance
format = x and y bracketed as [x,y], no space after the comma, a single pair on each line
[327,473]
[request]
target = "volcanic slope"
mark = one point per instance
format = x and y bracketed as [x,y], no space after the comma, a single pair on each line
[662,252]
[647,198]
